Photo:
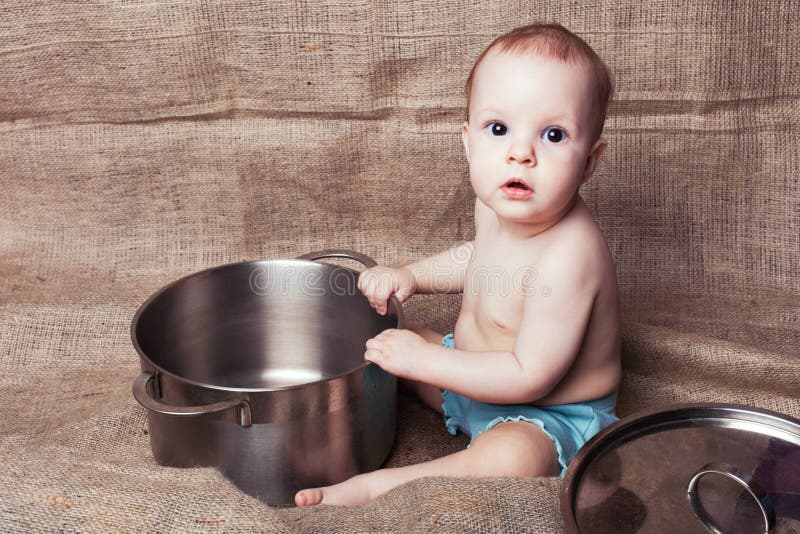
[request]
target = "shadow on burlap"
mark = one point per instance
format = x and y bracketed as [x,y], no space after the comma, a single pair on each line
[143,142]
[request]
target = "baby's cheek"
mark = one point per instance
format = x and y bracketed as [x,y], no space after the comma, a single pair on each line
[482,182]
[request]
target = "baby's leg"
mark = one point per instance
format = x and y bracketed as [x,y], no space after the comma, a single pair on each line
[516,449]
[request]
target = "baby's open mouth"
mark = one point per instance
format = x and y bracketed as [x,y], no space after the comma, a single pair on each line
[517,184]
[516,189]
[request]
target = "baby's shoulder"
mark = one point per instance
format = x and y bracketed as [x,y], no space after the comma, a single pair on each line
[577,247]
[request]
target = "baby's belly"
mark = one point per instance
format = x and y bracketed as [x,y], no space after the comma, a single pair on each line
[579,385]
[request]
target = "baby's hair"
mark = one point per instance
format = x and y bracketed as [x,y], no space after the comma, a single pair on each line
[555,42]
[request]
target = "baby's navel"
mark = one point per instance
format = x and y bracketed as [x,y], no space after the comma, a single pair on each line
[499,325]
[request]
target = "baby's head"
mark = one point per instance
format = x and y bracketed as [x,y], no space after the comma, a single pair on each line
[536,105]
[554,42]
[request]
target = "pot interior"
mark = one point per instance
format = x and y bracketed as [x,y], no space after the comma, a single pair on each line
[262,324]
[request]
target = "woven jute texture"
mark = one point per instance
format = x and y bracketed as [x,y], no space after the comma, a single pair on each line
[143,141]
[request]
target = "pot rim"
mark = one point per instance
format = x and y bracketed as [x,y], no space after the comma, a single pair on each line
[398,308]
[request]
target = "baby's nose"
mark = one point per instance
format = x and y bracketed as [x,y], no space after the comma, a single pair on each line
[521,154]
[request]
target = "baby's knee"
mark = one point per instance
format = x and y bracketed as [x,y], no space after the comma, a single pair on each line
[519,449]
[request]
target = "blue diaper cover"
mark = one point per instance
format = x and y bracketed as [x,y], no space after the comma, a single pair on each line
[568,425]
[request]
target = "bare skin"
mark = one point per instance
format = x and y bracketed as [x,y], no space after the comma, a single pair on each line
[539,321]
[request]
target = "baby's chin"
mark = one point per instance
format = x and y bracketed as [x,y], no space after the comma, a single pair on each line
[520,215]
[533,213]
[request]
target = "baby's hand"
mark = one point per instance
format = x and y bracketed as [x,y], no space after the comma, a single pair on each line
[379,282]
[395,351]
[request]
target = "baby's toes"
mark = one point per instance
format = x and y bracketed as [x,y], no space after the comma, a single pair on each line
[308,497]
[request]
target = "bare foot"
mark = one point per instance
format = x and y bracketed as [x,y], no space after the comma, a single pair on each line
[351,492]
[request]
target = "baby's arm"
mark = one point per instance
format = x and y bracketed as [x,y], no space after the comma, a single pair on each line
[441,273]
[444,272]
[550,335]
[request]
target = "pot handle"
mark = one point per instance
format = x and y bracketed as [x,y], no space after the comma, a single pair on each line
[145,399]
[334,253]
[755,490]
[363,259]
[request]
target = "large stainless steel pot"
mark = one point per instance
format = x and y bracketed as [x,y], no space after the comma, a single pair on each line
[258,368]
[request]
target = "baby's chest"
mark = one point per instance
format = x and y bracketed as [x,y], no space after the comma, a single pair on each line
[495,289]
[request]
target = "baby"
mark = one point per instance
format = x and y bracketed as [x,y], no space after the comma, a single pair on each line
[532,368]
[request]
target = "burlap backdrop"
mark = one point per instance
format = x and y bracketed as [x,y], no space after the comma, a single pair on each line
[142,141]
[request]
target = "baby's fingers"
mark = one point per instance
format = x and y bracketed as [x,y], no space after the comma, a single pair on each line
[373,355]
[376,285]
[378,301]
[378,298]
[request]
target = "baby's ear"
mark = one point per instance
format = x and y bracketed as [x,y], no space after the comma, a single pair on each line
[598,148]
[464,132]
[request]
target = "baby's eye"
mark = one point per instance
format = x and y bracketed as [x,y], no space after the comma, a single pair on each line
[497,128]
[554,135]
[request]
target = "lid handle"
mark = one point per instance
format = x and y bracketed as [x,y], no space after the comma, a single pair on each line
[746,481]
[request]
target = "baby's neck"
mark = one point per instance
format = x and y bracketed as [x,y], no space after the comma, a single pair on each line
[520,231]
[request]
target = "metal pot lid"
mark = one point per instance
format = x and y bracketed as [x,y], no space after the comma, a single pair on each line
[689,468]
